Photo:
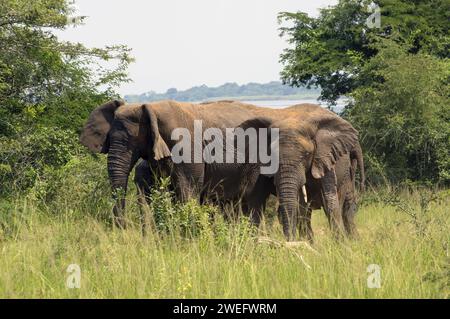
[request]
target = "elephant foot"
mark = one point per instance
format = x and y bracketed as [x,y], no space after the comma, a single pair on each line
[353,234]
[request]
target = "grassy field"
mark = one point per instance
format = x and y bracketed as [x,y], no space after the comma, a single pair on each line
[195,255]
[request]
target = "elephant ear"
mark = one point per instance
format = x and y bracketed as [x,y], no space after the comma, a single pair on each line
[335,138]
[257,123]
[160,148]
[95,132]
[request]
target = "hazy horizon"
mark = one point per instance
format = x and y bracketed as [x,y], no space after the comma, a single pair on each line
[179,44]
[212,87]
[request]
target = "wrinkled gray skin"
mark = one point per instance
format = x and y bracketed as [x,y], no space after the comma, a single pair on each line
[345,170]
[145,177]
[251,190]
[319,134]
[239,184]
[129,132]
[321,152]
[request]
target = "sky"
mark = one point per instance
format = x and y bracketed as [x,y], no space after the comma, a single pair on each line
[180,43]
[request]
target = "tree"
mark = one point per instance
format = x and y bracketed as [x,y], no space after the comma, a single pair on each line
[330,51]
[396,77]
[42,77]
[47,88]
[404,119]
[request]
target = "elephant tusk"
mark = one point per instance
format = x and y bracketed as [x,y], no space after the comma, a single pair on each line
[305,195]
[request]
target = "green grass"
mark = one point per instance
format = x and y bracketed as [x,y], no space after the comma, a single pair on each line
[38,242]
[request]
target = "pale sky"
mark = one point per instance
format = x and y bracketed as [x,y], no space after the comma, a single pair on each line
[184,43]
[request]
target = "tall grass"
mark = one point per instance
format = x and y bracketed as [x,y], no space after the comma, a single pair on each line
[192,252]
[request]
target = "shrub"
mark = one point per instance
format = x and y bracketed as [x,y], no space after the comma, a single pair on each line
[80,185]
[404,117]
[191,220]
[25,158]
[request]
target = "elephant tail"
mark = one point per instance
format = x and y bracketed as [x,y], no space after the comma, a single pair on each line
[357,159]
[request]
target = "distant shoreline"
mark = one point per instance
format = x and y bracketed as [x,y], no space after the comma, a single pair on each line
[274,90]
[265,98]
[243,98]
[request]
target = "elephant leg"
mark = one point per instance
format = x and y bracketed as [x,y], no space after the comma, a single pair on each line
[119,213]
[331,203]
[256,216]
[255,212]
[143,201]
[304,220]
[349,206]
[348,214]
[257,199]
[188,180]
[144,179]
[229,212]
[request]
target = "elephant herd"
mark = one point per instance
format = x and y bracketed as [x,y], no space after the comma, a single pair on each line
[318,154]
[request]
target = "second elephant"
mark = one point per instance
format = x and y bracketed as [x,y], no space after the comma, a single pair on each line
[318,152]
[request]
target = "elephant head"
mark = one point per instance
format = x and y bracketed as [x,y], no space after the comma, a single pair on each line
[126,133]
[309,146]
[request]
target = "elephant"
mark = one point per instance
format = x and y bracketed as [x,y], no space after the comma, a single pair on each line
[145,177]
[130,132]
[345,170]
[319,153]
[224,185]
[244,182]
[251,190]
[238,183]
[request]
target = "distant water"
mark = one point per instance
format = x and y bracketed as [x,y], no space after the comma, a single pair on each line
[277,104]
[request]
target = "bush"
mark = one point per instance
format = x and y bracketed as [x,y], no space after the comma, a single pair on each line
[404,117]
[80,185]
[186,220]
[194,221]
[25,159]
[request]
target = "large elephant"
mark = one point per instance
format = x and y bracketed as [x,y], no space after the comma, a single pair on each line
[319,153]
[239,184]
[245,185]
[129,132]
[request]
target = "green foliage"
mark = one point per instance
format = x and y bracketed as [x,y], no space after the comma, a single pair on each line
[24,159]
[404,118]
[39,243]
[326,51]
[329,51]
[396,77]
[40,76]
[79,184]
[47,88]
[191,220]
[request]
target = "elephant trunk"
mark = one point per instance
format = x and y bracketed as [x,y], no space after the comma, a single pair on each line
[289,181]
[120,164]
